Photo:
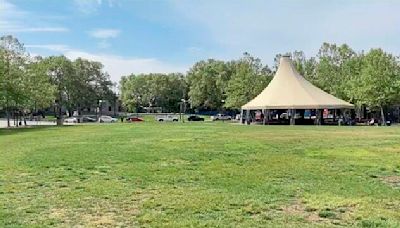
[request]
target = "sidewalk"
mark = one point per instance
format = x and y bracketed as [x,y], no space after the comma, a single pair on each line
[3,123]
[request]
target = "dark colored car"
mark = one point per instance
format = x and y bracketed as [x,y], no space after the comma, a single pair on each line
[134,119]
[195,118]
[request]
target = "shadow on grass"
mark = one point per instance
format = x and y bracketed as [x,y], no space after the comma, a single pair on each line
[18,130]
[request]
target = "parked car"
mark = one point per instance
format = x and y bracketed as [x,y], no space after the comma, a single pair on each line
[162,118]
[195,118]
[88,119]
[107,119]
[220,117]
[71,120]
[134,119]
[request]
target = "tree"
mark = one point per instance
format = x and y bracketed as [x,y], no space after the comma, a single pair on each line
[12,54]
[153,90]
[334,69]
[40,92]
[379,83]
[92,83]
[207,83]
[305,66]
[63,77]
[249,78]
[167,91]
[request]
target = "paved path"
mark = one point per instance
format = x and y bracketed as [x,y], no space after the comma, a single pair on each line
[3,123]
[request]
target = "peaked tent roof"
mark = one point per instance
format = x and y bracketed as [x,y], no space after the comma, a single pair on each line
[289,90]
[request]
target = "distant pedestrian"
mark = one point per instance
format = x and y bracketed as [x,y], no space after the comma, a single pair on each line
[122,119]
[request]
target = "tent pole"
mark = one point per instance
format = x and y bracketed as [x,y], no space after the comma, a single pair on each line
[248,116]
[321,116]
[292,116]
[264,112]
[334,115]
[241,116]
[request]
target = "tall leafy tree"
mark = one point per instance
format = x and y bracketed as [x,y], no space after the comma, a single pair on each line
[40,91]
[12,83]
[332,72]
[153,90]
[249,78]
[379,83]
[208,81]
[93,84]
[63,77]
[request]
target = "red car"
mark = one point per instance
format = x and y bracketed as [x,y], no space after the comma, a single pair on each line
[134,119]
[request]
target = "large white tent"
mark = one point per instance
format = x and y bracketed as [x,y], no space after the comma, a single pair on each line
[289,90]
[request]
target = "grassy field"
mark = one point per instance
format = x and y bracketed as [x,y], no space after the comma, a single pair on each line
[200,174]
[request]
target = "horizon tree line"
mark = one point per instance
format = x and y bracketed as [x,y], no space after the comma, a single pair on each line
[370,79]
[30,83]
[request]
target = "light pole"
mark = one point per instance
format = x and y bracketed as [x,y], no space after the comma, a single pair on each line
[183,109]
[137,105]
[116,96]
[223,111]
[100,107]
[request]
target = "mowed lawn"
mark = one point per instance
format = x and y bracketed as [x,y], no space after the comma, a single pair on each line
[200,174]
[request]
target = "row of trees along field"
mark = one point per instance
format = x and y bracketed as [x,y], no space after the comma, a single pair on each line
[366,78]
[31,83]
[208,85]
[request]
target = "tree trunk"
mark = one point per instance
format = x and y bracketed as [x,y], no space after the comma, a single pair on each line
[16,119]
[59,116]
[383,117]
[24,116]
[8,116]
[59,110]
[7,111]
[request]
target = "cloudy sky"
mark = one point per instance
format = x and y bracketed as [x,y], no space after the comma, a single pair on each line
[141,36]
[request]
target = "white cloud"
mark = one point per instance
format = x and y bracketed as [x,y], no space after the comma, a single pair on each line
[116,66]
[20,29]
[104,33]
[92,6]
[15,20]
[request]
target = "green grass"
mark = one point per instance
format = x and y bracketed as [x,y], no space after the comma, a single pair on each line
[200,174]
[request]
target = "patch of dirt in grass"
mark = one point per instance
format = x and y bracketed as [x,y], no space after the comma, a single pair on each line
[99,220]
[393,181]
[299,209]
[97,212]
[334,216]
[58,213]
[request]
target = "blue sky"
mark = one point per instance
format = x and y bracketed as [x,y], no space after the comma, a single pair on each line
[141,36]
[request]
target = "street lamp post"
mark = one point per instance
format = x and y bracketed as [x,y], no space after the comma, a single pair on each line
[223,111]
[183,109]
[100,107]
[137,105]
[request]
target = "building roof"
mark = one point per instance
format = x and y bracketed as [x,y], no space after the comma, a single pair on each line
[289,90]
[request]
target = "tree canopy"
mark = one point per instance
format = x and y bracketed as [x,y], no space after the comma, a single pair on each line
[30,83]
[367,78]
[153,90]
